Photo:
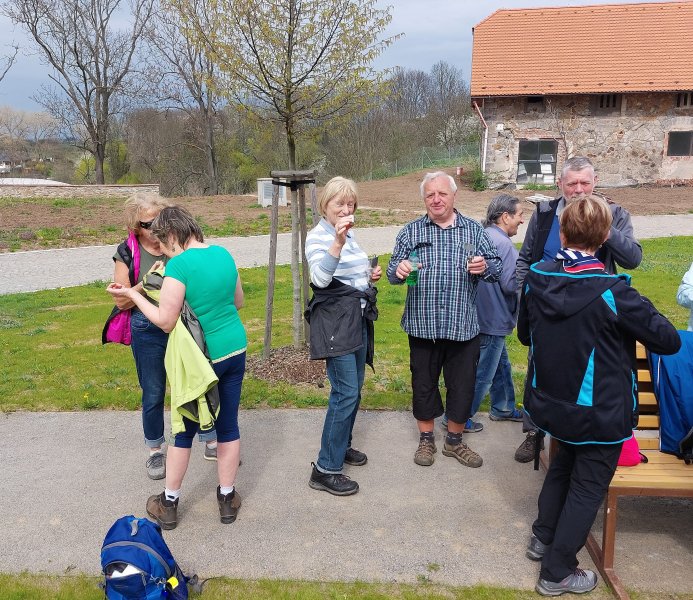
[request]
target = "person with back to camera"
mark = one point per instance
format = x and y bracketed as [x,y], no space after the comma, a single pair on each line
[341,315]
[449,254]
[582,324]
[206,277]
[148,342]
[541,242]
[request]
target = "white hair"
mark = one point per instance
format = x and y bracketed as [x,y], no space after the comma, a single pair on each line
[431,176]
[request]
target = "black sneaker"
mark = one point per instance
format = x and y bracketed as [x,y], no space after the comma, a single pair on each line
[355,457]
[535,549]
[525,451]
[579,582]
[334,483]
[229,505]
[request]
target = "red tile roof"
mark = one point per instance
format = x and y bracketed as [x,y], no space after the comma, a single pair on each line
[608,48]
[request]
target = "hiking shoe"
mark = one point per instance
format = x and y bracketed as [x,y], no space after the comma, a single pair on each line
[336,484]
[355,457]
[535,549]
[156,465]
[472,426]
[463,454]
[424,453]
[210,453]
[229,504]
[525,451]
[516,416]
[579,582]
[163,511]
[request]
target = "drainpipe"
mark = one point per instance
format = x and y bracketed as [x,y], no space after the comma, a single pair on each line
[483,156]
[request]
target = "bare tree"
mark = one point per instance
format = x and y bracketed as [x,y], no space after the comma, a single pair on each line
[449,100]
[183,75]
[91,57]
[6,62]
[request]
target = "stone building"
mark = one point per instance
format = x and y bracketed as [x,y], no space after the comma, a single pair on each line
[613,82]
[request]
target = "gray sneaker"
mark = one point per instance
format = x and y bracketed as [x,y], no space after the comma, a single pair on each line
[578,582]
[210,453]
[156,466]
[535,549]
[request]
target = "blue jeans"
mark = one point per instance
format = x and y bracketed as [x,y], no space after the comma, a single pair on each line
[149,347]
[494,374]
[346,374]
[230,372]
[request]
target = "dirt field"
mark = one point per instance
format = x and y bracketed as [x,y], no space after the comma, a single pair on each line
[46,222]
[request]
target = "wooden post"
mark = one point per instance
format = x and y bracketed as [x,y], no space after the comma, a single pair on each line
[314,204]
[271,267]
[305,271]
[295,275]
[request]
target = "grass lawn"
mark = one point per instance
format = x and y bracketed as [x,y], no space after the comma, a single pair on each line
[36,587]
[53,358]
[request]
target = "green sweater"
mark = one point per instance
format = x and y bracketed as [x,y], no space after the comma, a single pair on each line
[210,275]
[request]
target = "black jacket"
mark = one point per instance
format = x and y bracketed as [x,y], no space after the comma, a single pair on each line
[620,249]
[335,315]
[581,384]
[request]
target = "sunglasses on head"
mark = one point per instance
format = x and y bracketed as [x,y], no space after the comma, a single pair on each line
[146,224]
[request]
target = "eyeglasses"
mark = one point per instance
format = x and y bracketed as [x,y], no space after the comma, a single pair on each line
[146,224]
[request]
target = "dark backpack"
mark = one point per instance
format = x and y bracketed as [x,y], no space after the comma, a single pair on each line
[137,564]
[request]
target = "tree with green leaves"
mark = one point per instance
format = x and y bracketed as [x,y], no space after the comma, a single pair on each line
[306,64]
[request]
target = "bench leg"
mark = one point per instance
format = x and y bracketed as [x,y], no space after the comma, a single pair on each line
[604,557]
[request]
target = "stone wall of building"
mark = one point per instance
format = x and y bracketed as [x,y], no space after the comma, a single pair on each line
[627,145]
[75,191]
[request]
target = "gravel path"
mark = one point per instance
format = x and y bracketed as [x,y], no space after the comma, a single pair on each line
[49,269]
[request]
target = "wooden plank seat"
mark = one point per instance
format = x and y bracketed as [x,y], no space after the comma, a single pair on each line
[663,475]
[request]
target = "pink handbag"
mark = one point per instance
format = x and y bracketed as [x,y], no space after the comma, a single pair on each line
[630,454]
[117,327]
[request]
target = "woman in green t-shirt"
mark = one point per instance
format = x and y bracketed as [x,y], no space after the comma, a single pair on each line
[205,277]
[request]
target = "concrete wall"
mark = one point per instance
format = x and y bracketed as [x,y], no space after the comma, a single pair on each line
[627,146]
[75,191]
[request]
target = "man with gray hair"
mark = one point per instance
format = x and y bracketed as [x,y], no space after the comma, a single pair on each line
[450,254]
[541,242]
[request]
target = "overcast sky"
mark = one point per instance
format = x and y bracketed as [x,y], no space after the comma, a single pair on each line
[433,30]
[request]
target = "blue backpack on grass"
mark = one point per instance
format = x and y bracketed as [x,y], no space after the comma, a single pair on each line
[137,564]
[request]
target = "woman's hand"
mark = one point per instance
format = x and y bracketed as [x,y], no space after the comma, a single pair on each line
[341,228]
[158,265]
[120,291]
[377,273]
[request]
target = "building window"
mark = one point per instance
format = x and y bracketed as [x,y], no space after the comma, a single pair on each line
[535,104]
[684,100]
[536,161]
[606,104]
[680,143]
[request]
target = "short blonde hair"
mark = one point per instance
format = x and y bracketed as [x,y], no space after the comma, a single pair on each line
[139,203]
[585,223]
[337,187]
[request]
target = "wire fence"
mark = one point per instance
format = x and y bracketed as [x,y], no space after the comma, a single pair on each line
[427,157]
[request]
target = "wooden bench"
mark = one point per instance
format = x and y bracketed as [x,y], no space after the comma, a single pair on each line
[663,475]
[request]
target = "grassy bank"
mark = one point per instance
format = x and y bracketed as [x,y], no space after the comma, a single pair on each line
[53,358]
[38,587]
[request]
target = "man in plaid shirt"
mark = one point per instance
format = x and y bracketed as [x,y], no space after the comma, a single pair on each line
[454,254]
